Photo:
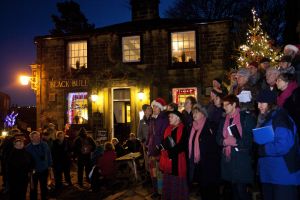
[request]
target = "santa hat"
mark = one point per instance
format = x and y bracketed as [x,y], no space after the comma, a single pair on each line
[291,47]
[159,102]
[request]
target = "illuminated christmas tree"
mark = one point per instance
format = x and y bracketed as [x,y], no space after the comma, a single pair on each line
[258,45]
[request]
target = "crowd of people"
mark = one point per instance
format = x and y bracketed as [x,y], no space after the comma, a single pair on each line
[211,146]
[46,157]
[217,146]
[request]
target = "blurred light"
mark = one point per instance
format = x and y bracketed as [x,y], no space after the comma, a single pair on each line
[94,97]
[141,95]
[24,80]
[4,133]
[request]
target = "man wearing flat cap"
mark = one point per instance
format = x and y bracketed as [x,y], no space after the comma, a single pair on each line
[285,65]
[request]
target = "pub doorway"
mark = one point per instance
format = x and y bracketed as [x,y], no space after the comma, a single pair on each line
[121,113]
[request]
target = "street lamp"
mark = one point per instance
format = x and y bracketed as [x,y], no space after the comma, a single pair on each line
[24,80]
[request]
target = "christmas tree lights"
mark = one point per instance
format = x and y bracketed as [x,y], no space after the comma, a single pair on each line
[258,45]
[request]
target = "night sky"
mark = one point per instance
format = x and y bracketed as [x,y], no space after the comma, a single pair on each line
[22,20]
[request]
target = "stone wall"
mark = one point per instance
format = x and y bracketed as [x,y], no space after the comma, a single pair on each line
[155,70]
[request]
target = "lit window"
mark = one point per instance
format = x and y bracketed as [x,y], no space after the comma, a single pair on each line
[180,94]
[77,54]
[77,108]
[183,47]
[131,47]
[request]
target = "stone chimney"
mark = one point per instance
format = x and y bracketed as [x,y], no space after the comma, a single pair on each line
[144,9]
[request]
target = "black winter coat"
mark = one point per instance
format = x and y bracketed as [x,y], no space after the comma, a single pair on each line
[207,171]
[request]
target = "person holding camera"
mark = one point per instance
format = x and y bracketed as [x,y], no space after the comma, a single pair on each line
[41,154]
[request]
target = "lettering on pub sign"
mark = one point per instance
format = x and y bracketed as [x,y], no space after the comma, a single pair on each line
[68,83]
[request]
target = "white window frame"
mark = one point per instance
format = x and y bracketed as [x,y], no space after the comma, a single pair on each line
[131,46]
[77,51]
[183,41]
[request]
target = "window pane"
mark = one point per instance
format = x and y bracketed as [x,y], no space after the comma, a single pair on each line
[77,55]
[131,48]
[183,46]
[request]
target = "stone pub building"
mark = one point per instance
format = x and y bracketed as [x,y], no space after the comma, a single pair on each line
[101,79]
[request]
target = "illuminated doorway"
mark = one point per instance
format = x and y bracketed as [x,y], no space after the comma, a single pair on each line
[121,113]
[77,108]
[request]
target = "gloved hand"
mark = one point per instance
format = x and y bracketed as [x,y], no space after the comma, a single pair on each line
[230,141]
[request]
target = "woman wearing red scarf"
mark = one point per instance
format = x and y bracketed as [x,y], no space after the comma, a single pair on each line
[173,159]
[204,155]
[236,168]
[289,97]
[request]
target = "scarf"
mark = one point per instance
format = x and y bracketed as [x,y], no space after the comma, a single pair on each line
[196,129]
[181,156]
[286,93]
[237,122]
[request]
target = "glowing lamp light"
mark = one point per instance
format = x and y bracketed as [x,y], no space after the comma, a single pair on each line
[4,133]
[94,97]
[141,95]
[24,80]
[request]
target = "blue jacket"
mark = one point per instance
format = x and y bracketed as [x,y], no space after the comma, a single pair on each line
[271,163]
[41,155]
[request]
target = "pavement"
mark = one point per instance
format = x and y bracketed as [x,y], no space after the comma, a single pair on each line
[124,188]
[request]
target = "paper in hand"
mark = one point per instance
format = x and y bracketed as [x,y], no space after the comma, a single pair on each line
[245,96]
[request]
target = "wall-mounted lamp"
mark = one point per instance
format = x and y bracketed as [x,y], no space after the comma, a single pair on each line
[141,95]
[24,80]
[94,97]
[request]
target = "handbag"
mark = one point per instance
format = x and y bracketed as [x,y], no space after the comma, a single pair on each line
[165,163]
